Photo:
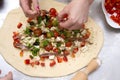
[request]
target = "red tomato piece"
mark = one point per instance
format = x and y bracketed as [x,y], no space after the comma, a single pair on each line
[27,61]
[42,64]
[29,20]
[68,44]
[59,59]
[82,44]
[63,36]
[66,52]
[65,59]
[53,12]
[19,25]
[56,50]
[52,63]
[56,34]
[49,47]
[75,50]
[37,62]
[32,64]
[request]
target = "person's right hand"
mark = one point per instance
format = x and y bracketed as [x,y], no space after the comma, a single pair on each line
[27,8]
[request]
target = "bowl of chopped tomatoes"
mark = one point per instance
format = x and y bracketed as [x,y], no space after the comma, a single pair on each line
[111,9]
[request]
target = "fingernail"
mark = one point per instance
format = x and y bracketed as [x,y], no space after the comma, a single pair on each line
[37,8]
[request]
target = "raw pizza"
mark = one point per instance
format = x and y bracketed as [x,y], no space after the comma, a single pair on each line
[46,40]
[41,48]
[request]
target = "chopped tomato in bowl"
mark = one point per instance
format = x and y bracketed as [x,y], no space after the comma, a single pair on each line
[111,9]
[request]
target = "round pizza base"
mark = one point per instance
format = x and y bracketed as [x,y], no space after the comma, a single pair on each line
[11,54]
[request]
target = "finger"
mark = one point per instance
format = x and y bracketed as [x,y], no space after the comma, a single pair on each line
[10,76]
[26,6]
[36,5]
[0,71]
[75,27]
[67,24]
[78,25]
[31,14]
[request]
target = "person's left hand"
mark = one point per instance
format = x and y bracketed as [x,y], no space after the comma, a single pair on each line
[77,11]
[8,76]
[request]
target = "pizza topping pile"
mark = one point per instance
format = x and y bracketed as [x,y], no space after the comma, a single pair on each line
[46,40]
[113,8]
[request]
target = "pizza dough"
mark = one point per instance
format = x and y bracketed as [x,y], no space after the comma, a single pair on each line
[11,54]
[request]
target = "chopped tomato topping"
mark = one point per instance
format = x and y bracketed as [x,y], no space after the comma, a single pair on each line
[65,17]
[113,6]
[37,32]
[32,64]
[56,50]
[66,52]
[73,55]
[56,34]
[42,64]
[65,59]
[53,12]
[49,47]
[82,44]
[68,44]
[37,62]
[21,53]
[19,25]
[87,35]
[52,63]
[29,20]
[27,61]
[75,50]
[59,59]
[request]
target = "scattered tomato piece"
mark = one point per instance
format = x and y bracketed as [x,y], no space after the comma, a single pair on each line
[75,50]
[37,62]
[68,44]
[32,64]
[65,59]
[82,44]
[52,63]
[27,61]
[19,25]
[21,53]
[42,64]
[29,20]
[59,59]
[53,12]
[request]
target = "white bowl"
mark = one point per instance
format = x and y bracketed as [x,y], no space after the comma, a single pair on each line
[108,19]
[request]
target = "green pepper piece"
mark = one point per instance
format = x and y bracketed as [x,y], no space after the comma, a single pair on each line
[55,22]
[39,19]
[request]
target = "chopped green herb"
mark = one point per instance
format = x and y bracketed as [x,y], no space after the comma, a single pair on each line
[36,42]
[59,44]
[27,31]
[35,51]
[44,43]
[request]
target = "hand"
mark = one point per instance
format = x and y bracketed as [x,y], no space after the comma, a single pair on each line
[77,11]
[27,8]
[9,76]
